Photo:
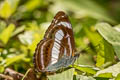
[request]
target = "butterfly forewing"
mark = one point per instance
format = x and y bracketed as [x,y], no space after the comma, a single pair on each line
[61,27]
[58,42]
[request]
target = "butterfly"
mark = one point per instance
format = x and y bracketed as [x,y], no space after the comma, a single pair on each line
[57,49]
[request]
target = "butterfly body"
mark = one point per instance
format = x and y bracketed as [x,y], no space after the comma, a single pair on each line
[57,49]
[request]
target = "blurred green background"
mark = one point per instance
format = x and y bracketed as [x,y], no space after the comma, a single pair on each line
[23,23]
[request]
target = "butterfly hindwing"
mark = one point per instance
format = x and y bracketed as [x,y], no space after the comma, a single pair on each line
[42,54]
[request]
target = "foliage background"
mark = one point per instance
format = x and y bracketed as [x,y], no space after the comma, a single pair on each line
[23,23]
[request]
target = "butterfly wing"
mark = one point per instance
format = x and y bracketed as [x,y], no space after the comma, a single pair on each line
[61,31]
[58,42]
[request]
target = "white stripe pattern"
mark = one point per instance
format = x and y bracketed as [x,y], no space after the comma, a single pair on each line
[66,24]
[56,47]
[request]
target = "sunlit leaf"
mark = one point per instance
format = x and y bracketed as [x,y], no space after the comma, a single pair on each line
[10,61]
[2,25]
[114,70]
[80,77]
[94,37]
[13,4]
[118,77]
[38,35]
[32,4]
[1,69]
[86,69]
[105,75]
[66,75]
[5,10]
[117,27]
[8,7]
[105,53]
[18,30]
[111,35]
[100,58]
[37,38]
[6,33]
[26,38]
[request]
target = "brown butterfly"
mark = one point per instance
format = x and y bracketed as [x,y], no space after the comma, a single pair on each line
[57,49]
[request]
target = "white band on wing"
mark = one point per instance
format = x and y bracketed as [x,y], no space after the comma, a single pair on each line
[66,24]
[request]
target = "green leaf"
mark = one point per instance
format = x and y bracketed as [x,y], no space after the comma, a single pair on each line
[111,35]
[37,38]
[32,4]
[114,70]
[118,77]
[86,69]
[109,52]
[5,10]
[2,26]
[100,59]
[18,30]
[117,27]
[100,78]
[105,75]
[94,37]
[26,38]
[10,61]
[1,69]
[84,59]
[66,75]
[117,50]
[105,53]
[81,77]
[6,33]
[83,8]
[8,7]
